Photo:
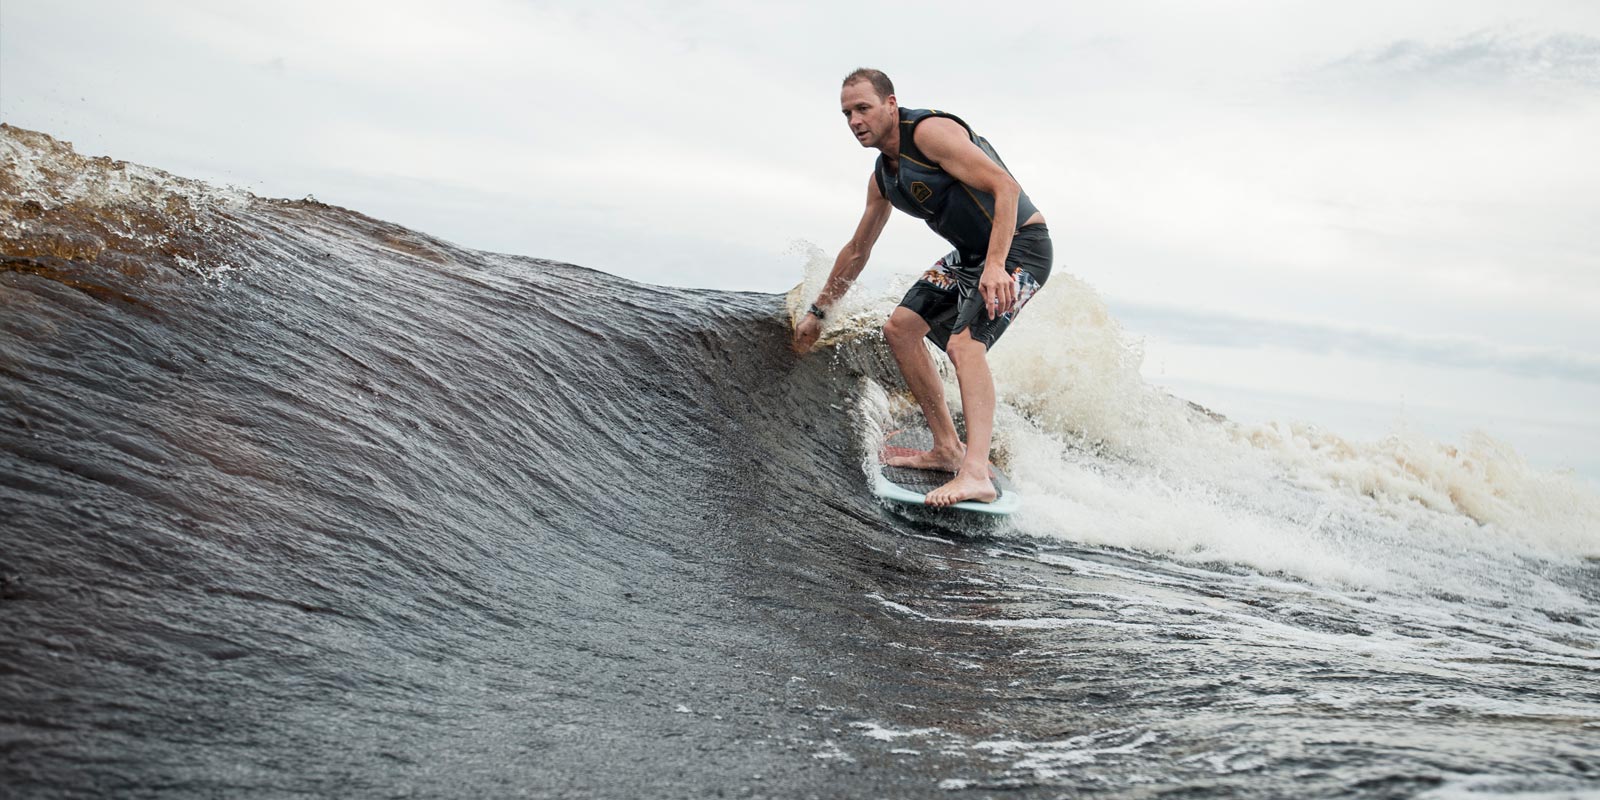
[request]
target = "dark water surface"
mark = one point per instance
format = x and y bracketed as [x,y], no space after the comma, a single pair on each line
[295,501]
[368,512]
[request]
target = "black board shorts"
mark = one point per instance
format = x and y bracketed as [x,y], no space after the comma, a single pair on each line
[947,297]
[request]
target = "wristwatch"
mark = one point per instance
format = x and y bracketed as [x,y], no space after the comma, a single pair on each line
[816,312]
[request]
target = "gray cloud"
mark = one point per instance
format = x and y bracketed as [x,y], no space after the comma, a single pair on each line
[1223,330]
[1482,59]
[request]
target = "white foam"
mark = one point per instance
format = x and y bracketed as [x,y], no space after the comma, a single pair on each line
[52,173]
[832,752]
[872,730]
[1052,759]
[120,205]
[1512,787]
[862,311]
[1103,458]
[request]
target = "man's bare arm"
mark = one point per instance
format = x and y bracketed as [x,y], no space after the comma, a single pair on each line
[947,143]
[852,258]
[847,266]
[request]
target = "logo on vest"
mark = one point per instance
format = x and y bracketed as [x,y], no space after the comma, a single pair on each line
[920,191]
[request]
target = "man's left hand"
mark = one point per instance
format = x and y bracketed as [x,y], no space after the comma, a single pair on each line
[998,289]
[806,333]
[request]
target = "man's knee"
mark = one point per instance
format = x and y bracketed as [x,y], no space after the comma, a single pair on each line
[904,325]
[963,347]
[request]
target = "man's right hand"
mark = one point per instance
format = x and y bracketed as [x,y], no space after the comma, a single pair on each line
[806,333]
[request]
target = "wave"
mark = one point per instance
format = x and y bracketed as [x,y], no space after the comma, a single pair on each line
[298,500]
[1111,460]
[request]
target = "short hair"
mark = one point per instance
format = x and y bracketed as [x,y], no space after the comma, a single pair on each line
[880,82]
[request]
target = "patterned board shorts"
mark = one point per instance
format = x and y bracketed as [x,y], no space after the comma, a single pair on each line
[947,297]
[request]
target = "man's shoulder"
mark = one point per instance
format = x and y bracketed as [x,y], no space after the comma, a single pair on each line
[939,130]
[942,124]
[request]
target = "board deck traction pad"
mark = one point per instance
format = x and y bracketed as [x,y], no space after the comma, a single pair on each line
[911,486]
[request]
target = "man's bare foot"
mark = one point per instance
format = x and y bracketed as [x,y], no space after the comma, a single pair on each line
[965,486]
[935,459]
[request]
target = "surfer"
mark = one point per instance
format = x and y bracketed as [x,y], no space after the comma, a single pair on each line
[935,168]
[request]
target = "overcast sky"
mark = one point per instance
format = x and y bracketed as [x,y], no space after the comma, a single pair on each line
[1417,179]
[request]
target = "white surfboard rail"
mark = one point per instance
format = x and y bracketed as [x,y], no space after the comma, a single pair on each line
[1006,504]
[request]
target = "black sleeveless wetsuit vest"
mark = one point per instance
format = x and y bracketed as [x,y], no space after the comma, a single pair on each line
[961,214]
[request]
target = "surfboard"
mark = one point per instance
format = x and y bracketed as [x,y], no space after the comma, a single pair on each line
[910,487]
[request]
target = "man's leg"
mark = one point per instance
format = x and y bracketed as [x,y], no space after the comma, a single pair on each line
[904,332]
[972,482]
[1032,254]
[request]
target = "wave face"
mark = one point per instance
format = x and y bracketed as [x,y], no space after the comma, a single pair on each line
[299,501]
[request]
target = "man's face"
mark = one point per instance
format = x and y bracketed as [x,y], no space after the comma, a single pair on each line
[871,118]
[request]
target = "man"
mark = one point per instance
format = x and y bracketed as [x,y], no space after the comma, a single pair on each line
[933,167]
